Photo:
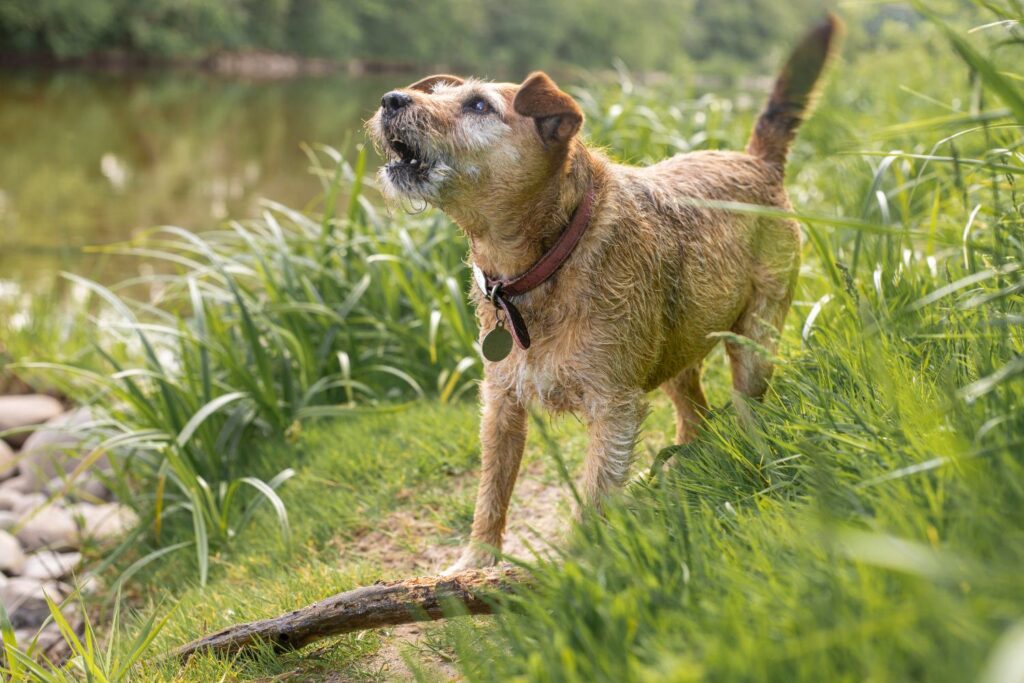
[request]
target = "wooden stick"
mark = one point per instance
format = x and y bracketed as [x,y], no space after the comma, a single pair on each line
[382,604]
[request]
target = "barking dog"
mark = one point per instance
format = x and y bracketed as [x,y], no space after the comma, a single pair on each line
[611,279]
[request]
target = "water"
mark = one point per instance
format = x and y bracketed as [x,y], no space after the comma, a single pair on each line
[90,158]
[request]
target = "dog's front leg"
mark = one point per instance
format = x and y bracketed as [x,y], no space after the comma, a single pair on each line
[502,439]
[613,425]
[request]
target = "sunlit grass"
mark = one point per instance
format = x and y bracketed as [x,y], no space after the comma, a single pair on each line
[870,528]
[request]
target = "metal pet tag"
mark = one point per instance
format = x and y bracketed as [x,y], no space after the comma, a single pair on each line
[497,344]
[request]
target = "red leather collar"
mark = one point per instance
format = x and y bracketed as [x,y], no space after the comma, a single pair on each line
[499,290]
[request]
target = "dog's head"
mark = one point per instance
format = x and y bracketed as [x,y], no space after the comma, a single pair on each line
[456,143]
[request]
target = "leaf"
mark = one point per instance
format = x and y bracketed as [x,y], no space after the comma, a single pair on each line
[205,412]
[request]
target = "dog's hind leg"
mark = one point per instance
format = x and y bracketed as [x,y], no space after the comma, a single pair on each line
[761,324]
[502,440]
[691,406]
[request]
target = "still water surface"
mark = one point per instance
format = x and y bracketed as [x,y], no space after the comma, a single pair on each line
[90,158]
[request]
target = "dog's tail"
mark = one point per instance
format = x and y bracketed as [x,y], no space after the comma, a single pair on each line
[794,91]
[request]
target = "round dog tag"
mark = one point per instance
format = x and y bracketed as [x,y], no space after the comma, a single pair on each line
[497,344]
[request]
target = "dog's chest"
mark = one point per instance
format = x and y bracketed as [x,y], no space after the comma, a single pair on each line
[539,376]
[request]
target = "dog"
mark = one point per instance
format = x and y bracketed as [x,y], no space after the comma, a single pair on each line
[655,267]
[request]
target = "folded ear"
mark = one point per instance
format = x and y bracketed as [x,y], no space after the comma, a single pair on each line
[555,113]
[427,84]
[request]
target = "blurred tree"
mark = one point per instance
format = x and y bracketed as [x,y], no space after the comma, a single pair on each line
[474,35]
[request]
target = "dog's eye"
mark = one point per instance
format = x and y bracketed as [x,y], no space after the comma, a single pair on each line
[478,105]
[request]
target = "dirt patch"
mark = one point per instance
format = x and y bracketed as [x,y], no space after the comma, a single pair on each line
[538,518]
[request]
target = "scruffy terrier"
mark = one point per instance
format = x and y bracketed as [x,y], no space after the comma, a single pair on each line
[609,280]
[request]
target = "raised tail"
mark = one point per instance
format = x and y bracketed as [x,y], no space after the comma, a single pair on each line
[794,91]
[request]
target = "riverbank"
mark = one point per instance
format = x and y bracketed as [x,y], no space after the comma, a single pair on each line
[248,64]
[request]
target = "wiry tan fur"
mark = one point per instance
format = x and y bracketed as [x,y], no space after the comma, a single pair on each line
[656,274]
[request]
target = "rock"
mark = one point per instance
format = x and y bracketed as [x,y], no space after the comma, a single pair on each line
[50,565]
[52,527]
[89,584]
[42,642]
[23,599]
[107,522]
[9,498]
[12,558]
[88,488]
[53,449]
[22,483]
[7,520]
[26,410]
[23,503]
[96,489]
[8,461]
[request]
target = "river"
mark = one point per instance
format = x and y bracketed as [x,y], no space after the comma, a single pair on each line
[90,158]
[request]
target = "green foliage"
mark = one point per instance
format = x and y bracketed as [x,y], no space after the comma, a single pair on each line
[869,529]
[493,34]
[89,660]
[257,329]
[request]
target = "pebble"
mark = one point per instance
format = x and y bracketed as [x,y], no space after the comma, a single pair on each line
[50,565]
[9,498]
[52,527]
[27,502]
[22,483]
[24,600]
[106,522]
[26,410]
[7,520]
[8,461]
[88,489]
[52,450]
[45,640]
[12,558]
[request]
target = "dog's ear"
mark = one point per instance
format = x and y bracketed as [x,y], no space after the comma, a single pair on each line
[427,84]
[555,113]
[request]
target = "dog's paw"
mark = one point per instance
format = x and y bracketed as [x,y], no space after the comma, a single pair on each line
[471,559]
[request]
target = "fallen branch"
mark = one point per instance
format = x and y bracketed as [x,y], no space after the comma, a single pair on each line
[382,604]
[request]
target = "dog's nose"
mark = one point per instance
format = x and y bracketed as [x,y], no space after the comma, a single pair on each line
[394,100]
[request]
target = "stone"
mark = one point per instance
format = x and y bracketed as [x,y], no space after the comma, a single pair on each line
[26,410]
[89,584]
[42,642]
[102,523]
[12,557]
[8,461]
[89,489]
[52,527]
[27,502]
[9,498]
[20,484]
[54,449]
[50,565]
[7,520]
[24,600]
[95,489]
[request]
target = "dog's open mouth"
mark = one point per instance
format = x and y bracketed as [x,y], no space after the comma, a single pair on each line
[405,156]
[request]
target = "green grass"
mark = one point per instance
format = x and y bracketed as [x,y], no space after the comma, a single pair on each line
[369,496]
[869,528]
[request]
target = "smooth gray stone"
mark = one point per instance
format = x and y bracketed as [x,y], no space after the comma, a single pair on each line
[26,410]
[12,557]
[24,600]
[8,461]
[56,448]
[49,565]
[52,527]
[102,523]
[7,520]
